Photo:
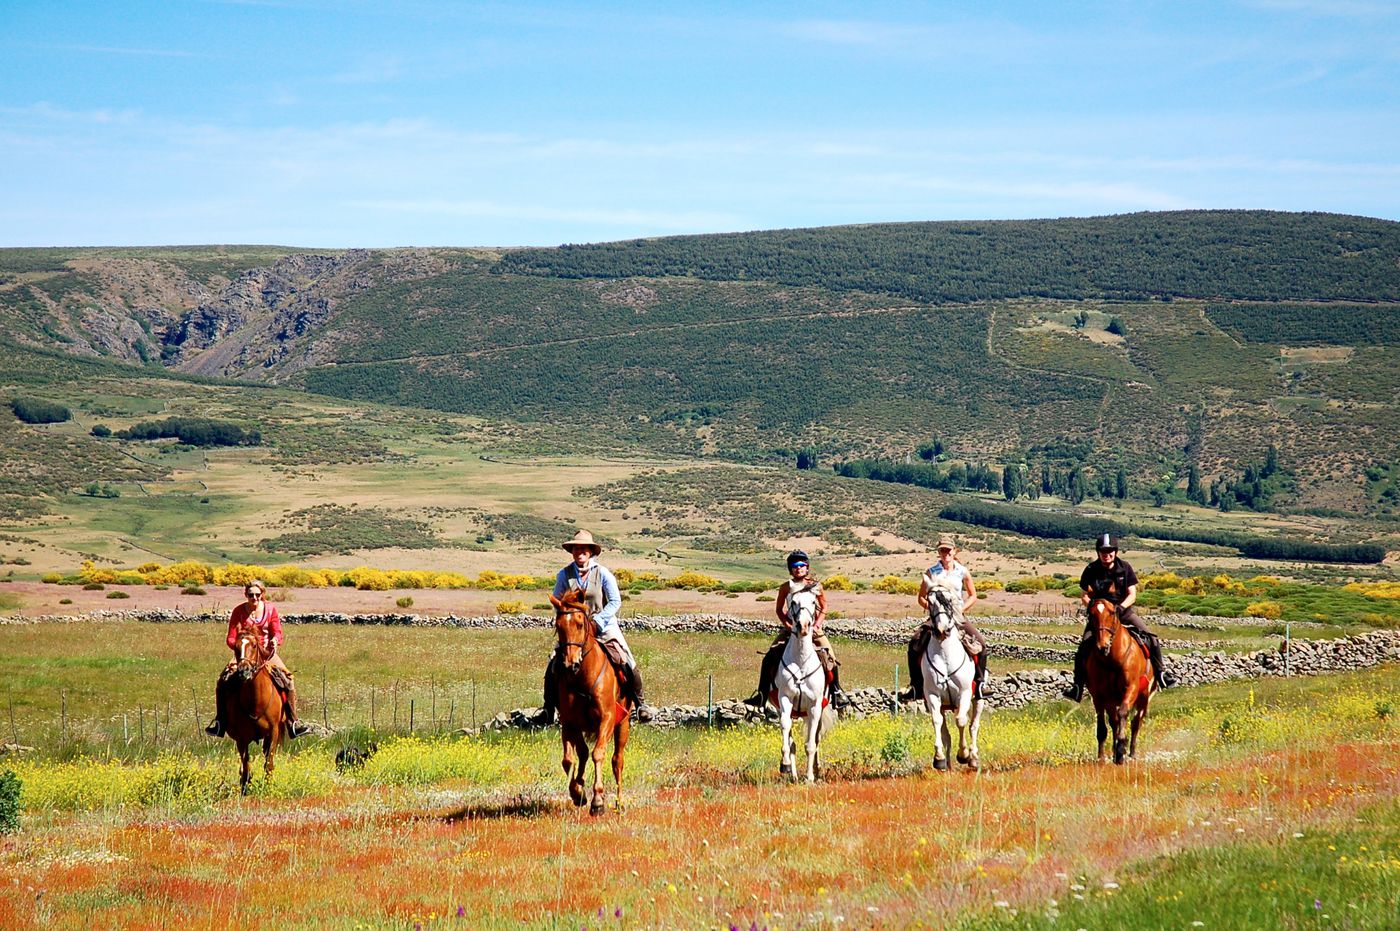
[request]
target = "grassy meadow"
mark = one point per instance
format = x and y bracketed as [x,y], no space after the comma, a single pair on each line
[1270,806]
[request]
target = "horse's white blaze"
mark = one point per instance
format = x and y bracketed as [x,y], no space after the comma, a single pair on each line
[948,670]
[801,684]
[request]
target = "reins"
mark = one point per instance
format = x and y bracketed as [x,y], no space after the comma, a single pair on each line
[947,608]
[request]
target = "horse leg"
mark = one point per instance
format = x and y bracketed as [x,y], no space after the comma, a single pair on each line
[788,767]
[600,749]
[245,774]
[1120,738]
[575,758]
[963,719]
[974,759]
[619,745]
[1138,717]
[940,759]
[1103,734]
[814,729]
[269,749]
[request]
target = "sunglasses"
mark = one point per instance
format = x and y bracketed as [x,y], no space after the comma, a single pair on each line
[798,565]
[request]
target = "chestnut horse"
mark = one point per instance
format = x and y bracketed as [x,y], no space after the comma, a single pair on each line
[591,705]
[252,703]
[1119,672]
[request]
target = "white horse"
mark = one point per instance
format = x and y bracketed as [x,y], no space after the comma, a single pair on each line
[801,686]
[948,671]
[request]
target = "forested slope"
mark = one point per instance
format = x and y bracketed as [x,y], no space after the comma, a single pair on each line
[1234,255]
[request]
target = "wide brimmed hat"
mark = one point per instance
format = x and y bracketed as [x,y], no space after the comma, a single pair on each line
[946,542]
[582,538]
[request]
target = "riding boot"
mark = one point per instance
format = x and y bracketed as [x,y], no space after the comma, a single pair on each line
[767,675]
[1165,679]
[295,728]
[545,716]
[916,673]
[1081,676]
[644,711]
[216,727]
[838,694]
[979,678]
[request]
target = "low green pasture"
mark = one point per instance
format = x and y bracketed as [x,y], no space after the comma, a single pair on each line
[1340,876]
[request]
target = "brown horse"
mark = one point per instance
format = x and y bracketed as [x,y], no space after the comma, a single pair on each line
[1120,675]
[591,704]
[253,707]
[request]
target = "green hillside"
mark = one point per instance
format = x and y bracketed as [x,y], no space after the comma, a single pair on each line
[1233,255]
[1153,344]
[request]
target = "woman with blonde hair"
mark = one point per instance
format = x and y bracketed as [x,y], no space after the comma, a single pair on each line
[261,614]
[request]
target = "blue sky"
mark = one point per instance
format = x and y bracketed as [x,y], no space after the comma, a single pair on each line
[333,124]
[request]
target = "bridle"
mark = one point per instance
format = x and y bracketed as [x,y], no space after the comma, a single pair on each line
[802,627]
[586,645]
[944,608]
[248,643]
[1109,614]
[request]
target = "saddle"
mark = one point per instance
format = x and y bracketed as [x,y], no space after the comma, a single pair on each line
[924,634]
[826,691]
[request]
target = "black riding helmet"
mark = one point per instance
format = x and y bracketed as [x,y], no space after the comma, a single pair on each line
[797,556]
[1106,541]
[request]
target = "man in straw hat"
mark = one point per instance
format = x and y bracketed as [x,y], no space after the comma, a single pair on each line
[1108,569]
[948,574]
[584,573]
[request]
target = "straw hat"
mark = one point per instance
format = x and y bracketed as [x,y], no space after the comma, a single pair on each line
[582,538]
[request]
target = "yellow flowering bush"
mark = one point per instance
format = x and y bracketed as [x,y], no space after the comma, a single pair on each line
[838,583]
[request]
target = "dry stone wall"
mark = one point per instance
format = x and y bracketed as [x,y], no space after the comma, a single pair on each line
[1013,690]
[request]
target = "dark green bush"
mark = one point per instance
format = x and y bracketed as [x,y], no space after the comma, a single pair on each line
[35,410]
[10,789]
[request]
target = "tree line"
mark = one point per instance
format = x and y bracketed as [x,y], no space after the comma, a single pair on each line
[192,431]
[39,411]
[1051,525]
[1226,254]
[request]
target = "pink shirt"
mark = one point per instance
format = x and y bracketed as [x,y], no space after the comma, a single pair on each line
[270,625]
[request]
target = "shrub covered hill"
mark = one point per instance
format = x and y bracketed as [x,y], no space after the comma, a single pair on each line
[1154,344]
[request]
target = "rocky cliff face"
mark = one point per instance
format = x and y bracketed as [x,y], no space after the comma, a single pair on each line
[262,324]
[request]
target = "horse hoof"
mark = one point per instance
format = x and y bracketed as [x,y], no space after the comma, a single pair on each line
[577,795]
[940,765]
[964,757]
[596,809]
[974,764]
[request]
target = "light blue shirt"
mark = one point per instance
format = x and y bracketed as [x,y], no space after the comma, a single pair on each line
[612,597]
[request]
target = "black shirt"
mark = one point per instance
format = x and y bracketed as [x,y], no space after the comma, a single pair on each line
[1120,574]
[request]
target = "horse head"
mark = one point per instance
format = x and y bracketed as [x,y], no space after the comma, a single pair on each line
[249,651]
[1103,614]
[941,611]
[572,626]
[803,613]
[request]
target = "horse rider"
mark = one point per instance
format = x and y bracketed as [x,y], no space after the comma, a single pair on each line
[599,586]
[946,573]
[258,612]
[799,568]
[1110,568]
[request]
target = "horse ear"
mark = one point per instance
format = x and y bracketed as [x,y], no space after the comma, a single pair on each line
[558,605]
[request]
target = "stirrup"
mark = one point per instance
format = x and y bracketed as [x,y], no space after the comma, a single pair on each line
[644,712]
[216,729]
[909,694]
[756,700]
[298,728]
[1074,692]
[542,718]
